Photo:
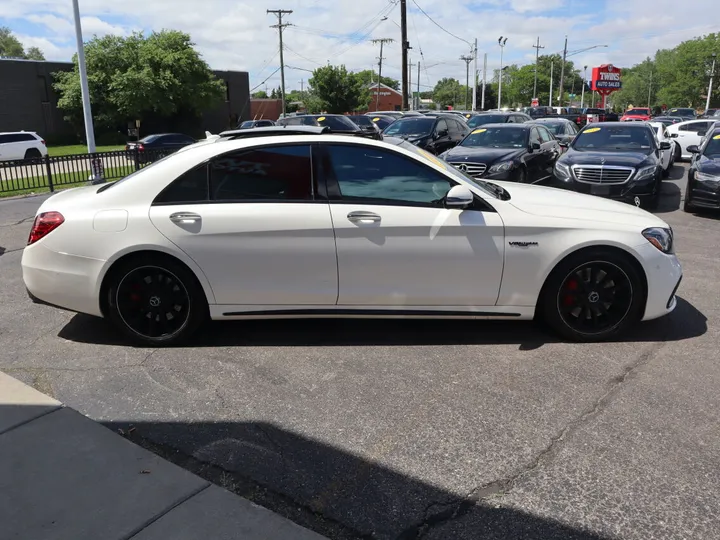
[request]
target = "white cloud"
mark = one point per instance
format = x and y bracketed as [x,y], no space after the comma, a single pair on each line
[236,35]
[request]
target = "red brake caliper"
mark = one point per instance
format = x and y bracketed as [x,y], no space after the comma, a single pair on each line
[569,299]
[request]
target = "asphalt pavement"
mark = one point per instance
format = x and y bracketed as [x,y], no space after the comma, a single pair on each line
[402,429]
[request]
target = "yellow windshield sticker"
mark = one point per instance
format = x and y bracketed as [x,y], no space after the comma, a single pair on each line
[376,119]
[432,159]
[591,130]
[716,138]
[483,130]
[321,119]
[468,115]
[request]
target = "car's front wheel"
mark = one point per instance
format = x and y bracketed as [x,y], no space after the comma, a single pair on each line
[593,295]
[155,301]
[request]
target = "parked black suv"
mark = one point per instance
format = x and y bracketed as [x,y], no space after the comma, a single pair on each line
[703,182]
[519,152]
[617,160]
[497,118]
[336,123]
[432,133]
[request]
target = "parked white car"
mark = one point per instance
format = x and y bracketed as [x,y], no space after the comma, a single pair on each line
[21,145]
[288,226]
[668,156]
[687,134]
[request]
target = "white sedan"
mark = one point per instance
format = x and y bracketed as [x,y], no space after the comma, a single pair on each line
[335,226]
[688,134]
[669,155]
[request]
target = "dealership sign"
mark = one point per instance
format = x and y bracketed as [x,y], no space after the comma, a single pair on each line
[606,79]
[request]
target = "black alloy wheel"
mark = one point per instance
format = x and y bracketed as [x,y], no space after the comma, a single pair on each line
[156,302]
[593,296]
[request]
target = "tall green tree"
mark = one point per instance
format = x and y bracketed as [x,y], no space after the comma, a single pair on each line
[260,94]
[449,92]
[137,77]
[338,89]
[367,76]
[11,47]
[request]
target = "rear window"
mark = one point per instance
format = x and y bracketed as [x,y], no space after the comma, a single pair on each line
[149,138]
[362,121]
[339,123]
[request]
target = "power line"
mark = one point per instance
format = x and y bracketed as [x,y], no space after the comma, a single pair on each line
[301,56]
[438,25]
[266,80]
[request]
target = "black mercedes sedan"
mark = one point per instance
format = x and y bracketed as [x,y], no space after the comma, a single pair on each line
[516,152]
[432,133]
[617,160]
[563,129]
[703,182]
[497,117]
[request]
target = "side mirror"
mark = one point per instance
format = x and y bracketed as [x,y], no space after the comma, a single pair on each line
[693,149]
[665,145]
[442,133]
[673,135]
[459,197]
[564,144]
[702,133]
[534,146]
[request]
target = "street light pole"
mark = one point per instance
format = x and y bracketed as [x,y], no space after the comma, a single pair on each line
[712,74]
[649,88]
[84,88]
[562,75]
[552,67]
[582,94]
[502,48]
[537,59]
[475,71]
[467,60]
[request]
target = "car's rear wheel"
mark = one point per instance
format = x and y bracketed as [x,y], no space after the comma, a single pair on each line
[594,295]
[155,301]
[32,153]
[678,153]
[687,203]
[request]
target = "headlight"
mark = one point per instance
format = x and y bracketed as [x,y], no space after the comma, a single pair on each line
[660,238]
[645,172]
[501,167]
[562,171]
[707,179]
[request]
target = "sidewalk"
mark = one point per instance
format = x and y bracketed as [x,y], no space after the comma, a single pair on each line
[62,476]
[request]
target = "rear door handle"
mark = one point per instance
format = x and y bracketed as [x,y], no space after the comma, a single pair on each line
[363,217]
[185,217]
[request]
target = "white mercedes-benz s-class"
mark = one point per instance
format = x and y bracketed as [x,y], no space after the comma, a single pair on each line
[308,225]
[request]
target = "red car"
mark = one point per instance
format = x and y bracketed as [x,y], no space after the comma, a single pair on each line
[636,115]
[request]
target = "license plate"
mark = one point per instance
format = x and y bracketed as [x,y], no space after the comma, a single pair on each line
[600,190]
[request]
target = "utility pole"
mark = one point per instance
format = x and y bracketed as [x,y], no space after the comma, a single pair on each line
[537,60]
[383,41]
[405,47]
[410,66]
[280,26]
[302,86]
[582,95]
[552,67]
[475,74]
[712,74]
[467,59]
[649,88]
[417,105]
[84,89]
[562,74]
[482,102]
[500,78]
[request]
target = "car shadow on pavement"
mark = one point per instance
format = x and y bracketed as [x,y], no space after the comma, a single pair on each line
[684,323]
[338,493]
[670,197]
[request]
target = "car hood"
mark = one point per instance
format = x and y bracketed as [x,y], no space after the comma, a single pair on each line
[560,203]
[481,154]
[708,166]
[590,157]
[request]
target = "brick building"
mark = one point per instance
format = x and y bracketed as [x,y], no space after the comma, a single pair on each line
[268,109]
[28,102]
[390,100]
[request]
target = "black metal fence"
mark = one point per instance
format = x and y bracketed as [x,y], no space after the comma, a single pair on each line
[51,173]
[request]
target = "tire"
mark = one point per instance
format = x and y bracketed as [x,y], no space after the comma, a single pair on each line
[678,153]
[522,176]
[568,297]
[653,201]
[137,291]
[666,172]
[32,153]
[687,205]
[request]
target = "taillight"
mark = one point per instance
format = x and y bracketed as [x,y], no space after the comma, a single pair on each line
[140,147]
[44,224]
[44,143]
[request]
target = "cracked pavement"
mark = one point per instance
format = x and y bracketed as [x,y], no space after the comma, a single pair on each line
[416,429]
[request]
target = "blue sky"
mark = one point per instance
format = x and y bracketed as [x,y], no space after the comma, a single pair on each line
[236,34]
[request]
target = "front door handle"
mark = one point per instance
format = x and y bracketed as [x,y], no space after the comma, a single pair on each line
[185,217]
[363,217]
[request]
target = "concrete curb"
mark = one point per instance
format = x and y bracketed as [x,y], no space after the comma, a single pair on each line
[65,477]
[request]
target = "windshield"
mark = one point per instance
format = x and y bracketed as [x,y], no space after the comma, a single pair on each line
[247,124]
[482,119]
[497,137]
[712,148]
[683,112]
[638,112]
[556,128]
[481,184]
[339,123]
[362,121]
[411,126]
[614,138]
